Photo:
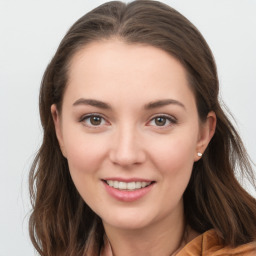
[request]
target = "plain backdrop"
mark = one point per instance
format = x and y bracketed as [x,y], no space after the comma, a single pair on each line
[30,32]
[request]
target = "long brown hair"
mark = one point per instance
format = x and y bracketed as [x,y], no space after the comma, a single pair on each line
[61,223]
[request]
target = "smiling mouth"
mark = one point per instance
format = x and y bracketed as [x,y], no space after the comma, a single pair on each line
[128,186]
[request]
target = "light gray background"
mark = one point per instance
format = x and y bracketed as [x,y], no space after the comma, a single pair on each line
[30,32]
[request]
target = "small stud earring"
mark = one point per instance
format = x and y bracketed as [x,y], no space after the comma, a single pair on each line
[199,154]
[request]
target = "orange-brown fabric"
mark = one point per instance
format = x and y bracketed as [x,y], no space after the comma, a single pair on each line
[207,244]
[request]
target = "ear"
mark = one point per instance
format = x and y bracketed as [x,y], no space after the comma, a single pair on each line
[207,130]
[57,123]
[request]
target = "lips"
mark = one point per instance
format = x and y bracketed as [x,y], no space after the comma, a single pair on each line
[127,190]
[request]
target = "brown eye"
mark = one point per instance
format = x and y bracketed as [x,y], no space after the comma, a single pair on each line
[95,120]
[160,121]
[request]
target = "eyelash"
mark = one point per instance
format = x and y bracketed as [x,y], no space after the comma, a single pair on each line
[171,121]
[93,115]
[167,118]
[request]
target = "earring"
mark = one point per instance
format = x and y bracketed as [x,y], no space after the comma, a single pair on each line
[199,154]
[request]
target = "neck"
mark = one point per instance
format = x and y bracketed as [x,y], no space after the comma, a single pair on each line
[155,239]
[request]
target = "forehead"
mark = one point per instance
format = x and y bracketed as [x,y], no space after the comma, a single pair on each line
[113,67]
[120,57]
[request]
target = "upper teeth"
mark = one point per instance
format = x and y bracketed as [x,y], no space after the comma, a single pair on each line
[127,185]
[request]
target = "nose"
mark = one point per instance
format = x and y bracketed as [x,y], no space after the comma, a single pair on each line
[127,148]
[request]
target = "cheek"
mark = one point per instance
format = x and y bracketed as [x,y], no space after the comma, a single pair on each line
[175,155]
[84,152]
[174,161]
[85,155]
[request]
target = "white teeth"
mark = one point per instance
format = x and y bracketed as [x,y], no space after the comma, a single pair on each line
[127,185]
[131,185]
[138,184]
[116,184]
[111,183]
[122,185]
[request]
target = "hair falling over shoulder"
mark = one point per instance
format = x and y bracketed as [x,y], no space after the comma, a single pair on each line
[61,223]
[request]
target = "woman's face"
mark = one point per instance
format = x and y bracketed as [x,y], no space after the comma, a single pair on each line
[130,131]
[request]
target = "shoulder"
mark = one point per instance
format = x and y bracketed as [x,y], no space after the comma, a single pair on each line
[209,244]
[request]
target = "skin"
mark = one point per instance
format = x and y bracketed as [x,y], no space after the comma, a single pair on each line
[129,142]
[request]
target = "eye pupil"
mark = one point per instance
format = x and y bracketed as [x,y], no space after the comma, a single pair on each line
[95,120]
[160,121]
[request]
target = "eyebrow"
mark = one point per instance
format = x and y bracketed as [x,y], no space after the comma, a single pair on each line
[91,102]
[161,103]
[103,105]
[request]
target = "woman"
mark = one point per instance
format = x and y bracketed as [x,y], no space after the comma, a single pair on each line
[138,158]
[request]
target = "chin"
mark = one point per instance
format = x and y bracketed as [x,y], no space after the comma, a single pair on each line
[131,220]
[127,224]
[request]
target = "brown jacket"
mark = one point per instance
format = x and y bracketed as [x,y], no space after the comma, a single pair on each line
[207,244]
